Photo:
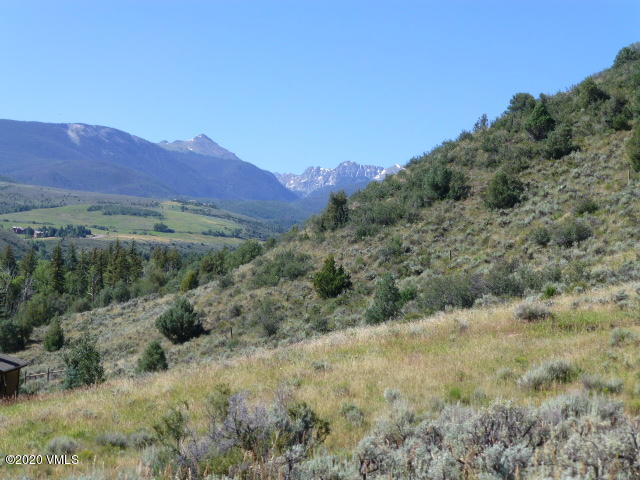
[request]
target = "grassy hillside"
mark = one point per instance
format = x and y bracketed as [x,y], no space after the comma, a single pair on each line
[474,357]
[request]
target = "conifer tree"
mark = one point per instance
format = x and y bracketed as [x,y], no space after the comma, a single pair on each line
[387,301]
[28,263]
[54,338]
[153,359]
[57,269]
[331,281]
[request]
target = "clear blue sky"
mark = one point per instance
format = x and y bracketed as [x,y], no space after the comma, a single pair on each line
[290,83]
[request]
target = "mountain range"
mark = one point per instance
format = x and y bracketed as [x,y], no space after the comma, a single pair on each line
[107,160]
[346,175]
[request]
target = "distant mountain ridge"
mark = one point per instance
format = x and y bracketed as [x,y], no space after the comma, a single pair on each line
[103,159]
[200,144]
[344,175]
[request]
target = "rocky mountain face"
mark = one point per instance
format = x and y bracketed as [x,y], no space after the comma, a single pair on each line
[102,159]
[201,145]
[343,176]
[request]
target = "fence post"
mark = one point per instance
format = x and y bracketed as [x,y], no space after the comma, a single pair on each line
[48,374]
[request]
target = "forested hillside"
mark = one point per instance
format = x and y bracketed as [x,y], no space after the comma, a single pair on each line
[530,219]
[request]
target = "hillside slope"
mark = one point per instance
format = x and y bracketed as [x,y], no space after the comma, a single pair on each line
[102,159]
[472,357]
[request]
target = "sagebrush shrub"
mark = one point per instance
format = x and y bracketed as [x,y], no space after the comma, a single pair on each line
[571,232]
[548,373]
[531,312]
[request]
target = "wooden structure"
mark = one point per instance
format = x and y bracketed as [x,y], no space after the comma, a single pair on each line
[10,375]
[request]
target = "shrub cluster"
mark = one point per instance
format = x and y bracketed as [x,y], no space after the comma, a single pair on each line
[575,436]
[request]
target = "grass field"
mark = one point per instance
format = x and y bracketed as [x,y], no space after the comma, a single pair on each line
[472,357]
[187,226]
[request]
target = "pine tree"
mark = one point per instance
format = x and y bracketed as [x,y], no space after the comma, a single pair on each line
[57,269]
[136,266]
[28,263]
[504,191]
[180,323]
[72,258]
[331,281]
[153,359]
[54,338]
[387,301]
[84,364]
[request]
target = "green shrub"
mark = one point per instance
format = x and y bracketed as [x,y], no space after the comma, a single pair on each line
[114,440]
[180,323]
[331,280]
[633,148]
[268,317]
[14,335]
[285,265]
[387,301]
[162,228]
[83,364]
[352,414]
[539,123]
[589,93]
[522,103]
[617,114]
[336,214]
[559,142]
[153,359]
[458,291]
[571,232]
[54,338]
[504,191]
[626,55]
[189,281]
[442,182]
[586,205]
[541,236]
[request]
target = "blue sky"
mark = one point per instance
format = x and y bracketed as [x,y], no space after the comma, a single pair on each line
[291,83]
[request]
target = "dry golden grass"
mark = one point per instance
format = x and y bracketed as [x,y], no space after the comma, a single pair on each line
[452,356]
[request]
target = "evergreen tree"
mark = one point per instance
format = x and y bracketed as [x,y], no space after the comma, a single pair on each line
[180,323]
[387,301]
[72,257]
[633,148]
[331,281]
[28,263]
[153,359]
[54,338]
[57,270]
[540,122]
[13,335]
[136,266]
[84,364]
